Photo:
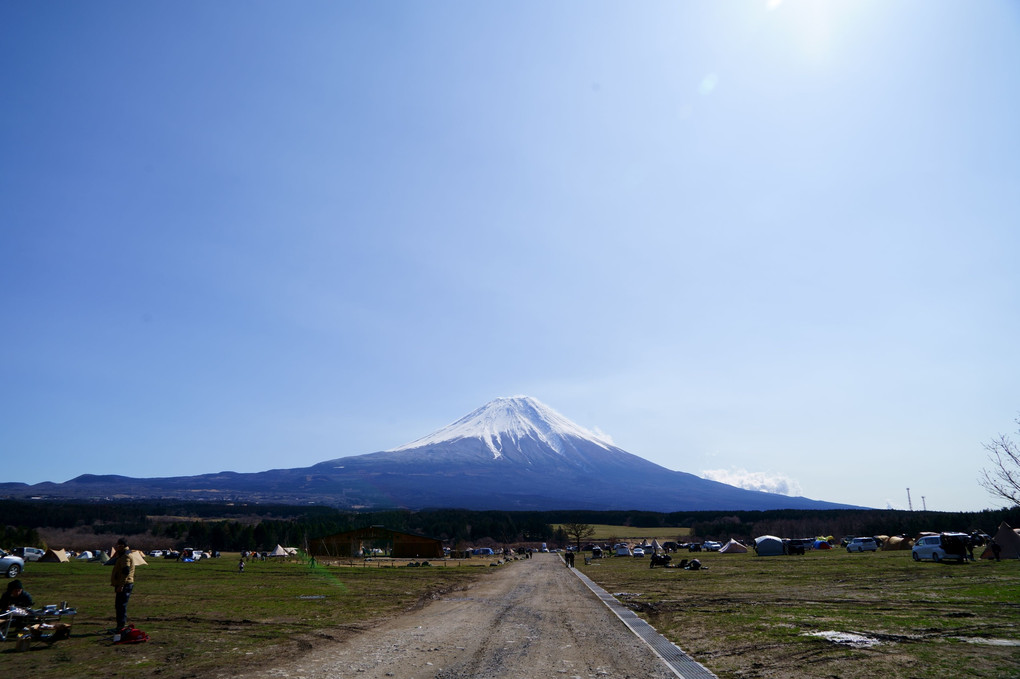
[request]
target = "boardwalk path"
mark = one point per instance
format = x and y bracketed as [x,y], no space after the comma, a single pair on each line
[531,618]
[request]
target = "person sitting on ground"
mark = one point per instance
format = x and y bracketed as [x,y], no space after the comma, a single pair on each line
[15,597]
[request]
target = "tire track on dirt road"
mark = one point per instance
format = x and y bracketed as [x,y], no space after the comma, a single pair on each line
[529,618]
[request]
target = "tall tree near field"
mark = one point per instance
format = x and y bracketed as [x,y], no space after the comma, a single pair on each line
[578,532]
[1002,480]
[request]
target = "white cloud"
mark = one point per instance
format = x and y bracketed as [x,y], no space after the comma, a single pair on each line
[603,436]
[769,482]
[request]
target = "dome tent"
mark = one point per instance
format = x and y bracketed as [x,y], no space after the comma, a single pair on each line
[768,545]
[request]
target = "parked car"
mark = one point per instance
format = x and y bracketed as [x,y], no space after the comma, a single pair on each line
[862,545]
[638,552]
[941,547]
[11,565]
[29,553]
[711,546]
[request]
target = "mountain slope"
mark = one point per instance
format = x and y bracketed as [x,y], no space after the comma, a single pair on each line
[512,454]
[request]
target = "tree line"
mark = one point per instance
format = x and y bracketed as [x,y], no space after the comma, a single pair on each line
[238,527]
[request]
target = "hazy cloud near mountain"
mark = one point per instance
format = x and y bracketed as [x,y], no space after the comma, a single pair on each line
[768,482]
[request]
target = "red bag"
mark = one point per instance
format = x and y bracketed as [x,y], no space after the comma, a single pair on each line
[132,635]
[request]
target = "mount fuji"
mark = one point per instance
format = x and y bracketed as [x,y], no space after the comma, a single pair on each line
[510,454]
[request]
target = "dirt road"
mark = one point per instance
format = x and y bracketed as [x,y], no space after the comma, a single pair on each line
[531,618]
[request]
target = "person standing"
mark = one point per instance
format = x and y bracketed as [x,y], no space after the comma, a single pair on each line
[123,581]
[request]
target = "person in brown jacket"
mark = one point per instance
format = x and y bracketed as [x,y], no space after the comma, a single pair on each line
[123,580]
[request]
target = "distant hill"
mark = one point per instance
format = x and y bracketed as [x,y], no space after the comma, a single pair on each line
[510,454]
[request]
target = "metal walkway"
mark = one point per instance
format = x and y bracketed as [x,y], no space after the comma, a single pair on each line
[683,665]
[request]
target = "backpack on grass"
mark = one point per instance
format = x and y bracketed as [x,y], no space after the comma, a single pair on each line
[132,635]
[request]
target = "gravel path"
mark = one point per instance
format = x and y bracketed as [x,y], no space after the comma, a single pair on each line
[531,618]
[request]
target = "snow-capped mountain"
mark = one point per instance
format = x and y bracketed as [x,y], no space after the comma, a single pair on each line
[508,421]
[510,454]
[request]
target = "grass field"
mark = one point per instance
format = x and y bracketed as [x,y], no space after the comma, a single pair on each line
[625,533]
[205,616]
[748,616]
[743,616]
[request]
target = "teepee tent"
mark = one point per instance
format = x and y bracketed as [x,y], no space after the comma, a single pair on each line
[656,547]
[1008,540]
[733,547]
[137,558]
[768,545]
[279,551]
[54,556]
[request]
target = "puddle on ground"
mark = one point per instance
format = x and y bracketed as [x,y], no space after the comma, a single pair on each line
[849,639]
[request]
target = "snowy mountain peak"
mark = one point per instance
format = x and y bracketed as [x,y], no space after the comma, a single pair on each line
[508,420]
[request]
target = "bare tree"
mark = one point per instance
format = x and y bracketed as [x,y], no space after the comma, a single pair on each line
[1002,480]
[579,532]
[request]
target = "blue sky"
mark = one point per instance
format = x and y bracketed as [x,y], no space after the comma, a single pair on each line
[765,240]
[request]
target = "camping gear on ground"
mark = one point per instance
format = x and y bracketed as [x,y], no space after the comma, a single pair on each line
[39,624]
[130,635]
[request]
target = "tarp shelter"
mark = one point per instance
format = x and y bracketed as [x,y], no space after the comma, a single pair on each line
[768,545]
[54,556]
[279,551]
[1008,540]
[733,547]
[353,543]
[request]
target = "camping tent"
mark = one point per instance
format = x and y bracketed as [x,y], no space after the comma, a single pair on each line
[768,545]
[136,557]
[733,547]
[54,556]
[656,547]
[822,544]
[897,542]
[279,551]
[1008,540]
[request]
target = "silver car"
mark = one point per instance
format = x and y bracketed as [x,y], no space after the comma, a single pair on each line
[11,565]
[862,545]
[941,547]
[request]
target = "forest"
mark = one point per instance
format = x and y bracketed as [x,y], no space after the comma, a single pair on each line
[237,527]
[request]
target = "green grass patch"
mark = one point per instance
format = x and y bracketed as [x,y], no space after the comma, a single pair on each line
[625,533]
[747,616]
[205,616]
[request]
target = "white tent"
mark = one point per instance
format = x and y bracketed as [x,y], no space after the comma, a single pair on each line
[279,551]
[768,545]
[656,547]
[733,547]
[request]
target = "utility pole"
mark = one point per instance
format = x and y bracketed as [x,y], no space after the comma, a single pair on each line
[910,504]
